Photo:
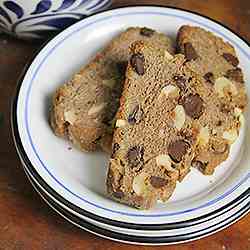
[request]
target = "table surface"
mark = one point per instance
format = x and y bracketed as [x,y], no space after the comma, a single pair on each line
[26,222]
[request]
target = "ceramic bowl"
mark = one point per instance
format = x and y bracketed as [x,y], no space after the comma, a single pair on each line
[44,18]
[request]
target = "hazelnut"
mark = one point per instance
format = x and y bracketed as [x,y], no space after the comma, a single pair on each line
[230,135]
[167,55]
[170,91]
[120,123]
[203,136]
[238,114]
[164,160]
[179,116]
[139,185]
[70,116]
[223,85]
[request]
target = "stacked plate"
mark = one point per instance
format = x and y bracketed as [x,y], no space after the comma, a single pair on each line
[73,183]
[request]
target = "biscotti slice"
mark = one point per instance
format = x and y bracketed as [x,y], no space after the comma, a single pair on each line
[154,139]
[217,64]
[83,109]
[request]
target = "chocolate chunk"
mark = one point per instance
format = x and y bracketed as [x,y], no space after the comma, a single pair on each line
[136,115]
[220,147]
[66,128]
[199,165]
[177,150]
[115,148]
[146,32]
[219,123]
[122,66]
[118,194]
[158,182]
[231,59]
[193,105]
[66,124]
[209,77]
[180,82]
[137,62]
[235,75]
[190,52]
[135,156]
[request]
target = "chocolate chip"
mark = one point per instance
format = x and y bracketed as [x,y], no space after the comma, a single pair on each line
[118,194]
[146,32]
[235,75]
[66,124]
[220,147]
[137,62]
[122,66]
[190,52]
[136,115]
[231,59]
[193,105]
[219,123]
[66,127]
[135,156]
[177,150]
[115,148]
[158,182]
[209,77]
[199,165]
[180,82]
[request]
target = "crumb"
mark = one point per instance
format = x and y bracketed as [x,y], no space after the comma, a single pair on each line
[211,181]
[69,148]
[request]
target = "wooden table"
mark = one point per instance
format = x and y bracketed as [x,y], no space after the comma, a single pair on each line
[26,222]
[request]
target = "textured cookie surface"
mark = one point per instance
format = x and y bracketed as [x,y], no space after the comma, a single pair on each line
[154,139]
[217,64]
[83,108]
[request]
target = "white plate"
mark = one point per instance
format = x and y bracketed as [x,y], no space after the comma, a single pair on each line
[188,231]
[78,179]
[134,238]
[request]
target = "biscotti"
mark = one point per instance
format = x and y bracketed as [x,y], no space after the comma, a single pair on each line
[83,109]
[154,140]
[217,64]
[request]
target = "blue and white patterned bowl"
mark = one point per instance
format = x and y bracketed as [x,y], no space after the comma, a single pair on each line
[42,18]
